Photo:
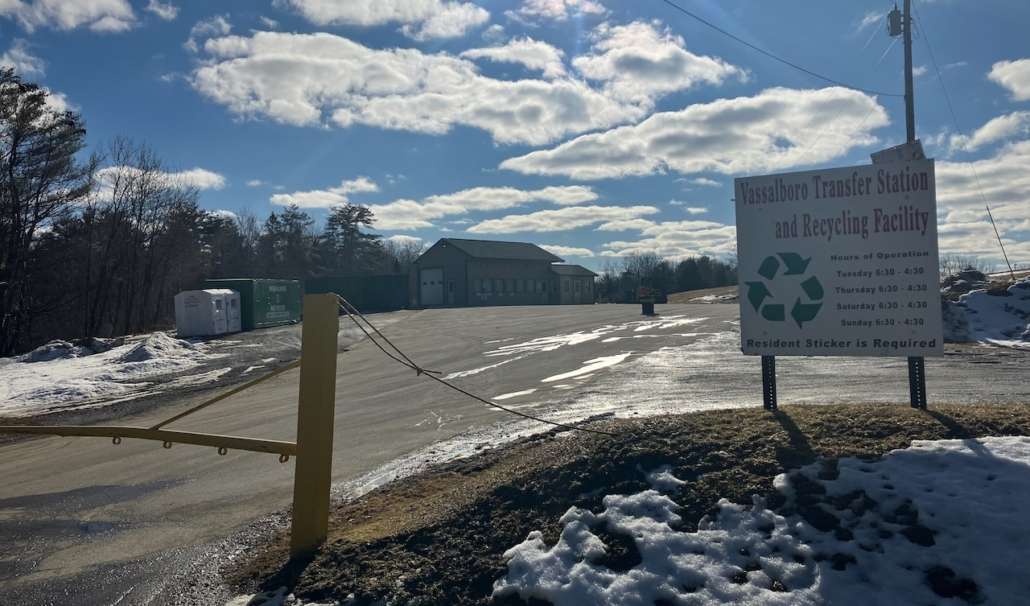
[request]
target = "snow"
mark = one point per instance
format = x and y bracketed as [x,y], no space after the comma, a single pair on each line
[942,522]
[1000,319]
[279,597]
[514,394]
[59,375]
[608,333]
[590,366]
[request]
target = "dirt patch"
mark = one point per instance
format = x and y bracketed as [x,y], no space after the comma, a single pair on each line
[438,538]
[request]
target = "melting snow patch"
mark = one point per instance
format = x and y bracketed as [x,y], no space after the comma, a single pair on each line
[475,371]
[514,394]
[589,366]
[1000,319]
[279,597]
[939,522]
[57,376]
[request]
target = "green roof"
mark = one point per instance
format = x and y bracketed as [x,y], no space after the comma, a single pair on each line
[496,249]
[565,269]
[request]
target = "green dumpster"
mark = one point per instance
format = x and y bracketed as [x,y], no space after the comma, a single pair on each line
[264,301]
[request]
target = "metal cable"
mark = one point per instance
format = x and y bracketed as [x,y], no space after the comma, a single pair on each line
[954,121]
[354,315]
[776,57]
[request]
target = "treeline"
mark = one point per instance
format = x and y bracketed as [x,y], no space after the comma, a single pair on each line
[619,283]
[98,244]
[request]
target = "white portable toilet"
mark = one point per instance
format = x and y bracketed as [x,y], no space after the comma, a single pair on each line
[201,313]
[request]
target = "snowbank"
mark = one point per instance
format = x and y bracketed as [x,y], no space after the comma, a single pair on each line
[60,375]
[1000,319]
[940,522]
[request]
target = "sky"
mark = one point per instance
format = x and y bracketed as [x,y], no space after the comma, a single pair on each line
[595,128]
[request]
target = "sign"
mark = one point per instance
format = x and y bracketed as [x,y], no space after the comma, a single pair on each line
[840,262]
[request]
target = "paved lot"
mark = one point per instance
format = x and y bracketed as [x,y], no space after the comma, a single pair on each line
[109,522]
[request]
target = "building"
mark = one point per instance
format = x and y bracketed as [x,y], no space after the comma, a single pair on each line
[575,284]
[456,272]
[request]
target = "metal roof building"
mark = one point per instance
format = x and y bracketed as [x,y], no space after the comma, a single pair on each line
[458,272]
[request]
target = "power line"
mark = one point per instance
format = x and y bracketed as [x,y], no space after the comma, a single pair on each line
[777,57]
[954,121]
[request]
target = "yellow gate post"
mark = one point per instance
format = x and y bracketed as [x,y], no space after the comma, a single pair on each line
[315,415]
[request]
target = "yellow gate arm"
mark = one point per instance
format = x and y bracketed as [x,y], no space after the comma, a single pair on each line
[167,436]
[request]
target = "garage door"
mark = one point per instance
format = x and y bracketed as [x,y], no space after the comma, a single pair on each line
[431,286]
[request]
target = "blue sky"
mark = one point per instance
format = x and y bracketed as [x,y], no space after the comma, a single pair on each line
[595,127]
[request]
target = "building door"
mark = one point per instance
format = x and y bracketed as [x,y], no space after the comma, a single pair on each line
[431,292]
[218,316]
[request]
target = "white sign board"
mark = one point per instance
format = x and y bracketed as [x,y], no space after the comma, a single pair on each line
[840,262]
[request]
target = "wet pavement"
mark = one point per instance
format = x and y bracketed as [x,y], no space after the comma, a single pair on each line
[135,523]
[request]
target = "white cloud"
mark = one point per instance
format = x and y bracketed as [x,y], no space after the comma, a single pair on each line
[638,63]
[200,178]
[567,251]
[255,183]
[776,129]
[963,224]
[164,10]
[678,239]
[1013,75]
[224,214]
[696,210]
[626,225]
[58,102]
[268,22]
[868,20]
[97,15]
[420,19]
[1009,126]
[22,61]
[562,219]
[919,71]
[301,79]
[556,10]
[326,198]
[197,178]
[494,34]
[411,214]
[531,53]
[217,25]
[699,181]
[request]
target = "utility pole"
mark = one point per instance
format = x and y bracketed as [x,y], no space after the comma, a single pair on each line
[901,24]
[910,103]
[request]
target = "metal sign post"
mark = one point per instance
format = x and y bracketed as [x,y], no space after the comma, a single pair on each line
[769,382]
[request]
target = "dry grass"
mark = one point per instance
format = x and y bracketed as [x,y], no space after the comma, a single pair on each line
[437,538]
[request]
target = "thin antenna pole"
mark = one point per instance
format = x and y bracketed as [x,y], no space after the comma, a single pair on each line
[997,235]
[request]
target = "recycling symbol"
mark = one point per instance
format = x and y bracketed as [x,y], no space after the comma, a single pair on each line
[793,265]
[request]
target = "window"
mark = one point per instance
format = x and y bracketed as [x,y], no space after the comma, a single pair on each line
[565,285]
[515,286]
[218,305]
[487,285]
[579,285]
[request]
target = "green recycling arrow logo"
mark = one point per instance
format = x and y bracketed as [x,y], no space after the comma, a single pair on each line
[793,265]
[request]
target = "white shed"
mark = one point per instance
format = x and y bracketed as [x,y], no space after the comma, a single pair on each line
[200,313]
